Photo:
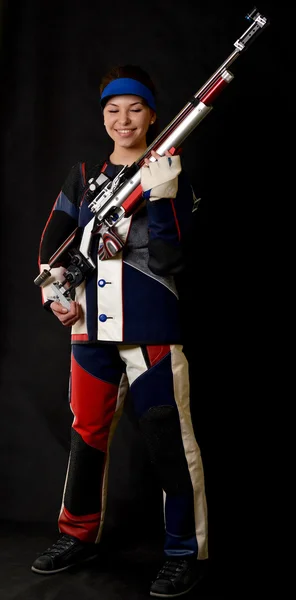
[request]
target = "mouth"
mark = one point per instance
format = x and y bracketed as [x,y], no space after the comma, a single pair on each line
[125,132]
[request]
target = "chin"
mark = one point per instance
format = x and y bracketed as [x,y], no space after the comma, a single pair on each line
[127,143]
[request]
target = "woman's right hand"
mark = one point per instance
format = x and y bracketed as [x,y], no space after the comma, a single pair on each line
[65,316]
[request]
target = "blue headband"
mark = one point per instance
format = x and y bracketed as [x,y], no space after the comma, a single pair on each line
[125,85]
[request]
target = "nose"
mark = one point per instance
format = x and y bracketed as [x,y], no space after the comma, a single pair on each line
[124,117]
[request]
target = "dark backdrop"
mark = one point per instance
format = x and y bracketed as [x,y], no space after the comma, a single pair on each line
[53,56]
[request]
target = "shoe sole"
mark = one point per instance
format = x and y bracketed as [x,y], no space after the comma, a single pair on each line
[41,572]
[175,595]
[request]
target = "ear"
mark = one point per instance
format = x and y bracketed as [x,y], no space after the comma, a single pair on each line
[153,117]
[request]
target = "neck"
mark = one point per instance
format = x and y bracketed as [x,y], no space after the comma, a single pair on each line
[126,156]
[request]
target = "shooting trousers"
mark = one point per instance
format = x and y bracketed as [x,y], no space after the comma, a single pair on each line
[158,383]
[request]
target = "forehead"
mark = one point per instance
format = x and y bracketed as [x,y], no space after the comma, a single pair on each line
[125,100]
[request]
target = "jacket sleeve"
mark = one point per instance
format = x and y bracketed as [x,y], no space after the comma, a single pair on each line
[62,221]
[169,223]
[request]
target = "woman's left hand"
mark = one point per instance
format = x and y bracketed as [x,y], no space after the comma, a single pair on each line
[159,177]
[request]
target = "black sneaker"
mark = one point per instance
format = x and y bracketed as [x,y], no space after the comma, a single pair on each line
[67,552]
[177,577]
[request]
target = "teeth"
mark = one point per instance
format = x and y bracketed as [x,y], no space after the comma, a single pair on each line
[124,130]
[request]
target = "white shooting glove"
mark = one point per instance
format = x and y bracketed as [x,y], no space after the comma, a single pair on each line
[159,179]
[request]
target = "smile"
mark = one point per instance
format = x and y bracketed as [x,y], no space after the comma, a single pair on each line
[124,131]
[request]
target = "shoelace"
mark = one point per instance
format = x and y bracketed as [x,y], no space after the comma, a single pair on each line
[63,543]
[171,569]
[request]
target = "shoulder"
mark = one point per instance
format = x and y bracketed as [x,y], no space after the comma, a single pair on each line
[91,169]
[79,175]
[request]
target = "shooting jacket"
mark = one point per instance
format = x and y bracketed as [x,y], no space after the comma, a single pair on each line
[131,298]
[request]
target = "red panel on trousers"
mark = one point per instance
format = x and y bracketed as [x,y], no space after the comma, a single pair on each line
[93,403]
[156,353]
[84,527]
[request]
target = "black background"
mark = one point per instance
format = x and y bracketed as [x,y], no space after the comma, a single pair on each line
[53,56]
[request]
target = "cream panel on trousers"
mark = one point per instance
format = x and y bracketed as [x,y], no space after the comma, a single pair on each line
[132,356]
[192,451]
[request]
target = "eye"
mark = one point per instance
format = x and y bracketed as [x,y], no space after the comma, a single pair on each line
[112,111]
[136,110]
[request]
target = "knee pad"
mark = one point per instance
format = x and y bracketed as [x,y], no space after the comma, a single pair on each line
[160,427]
[84,480]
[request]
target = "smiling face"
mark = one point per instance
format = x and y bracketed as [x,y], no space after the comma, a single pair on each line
[127,119]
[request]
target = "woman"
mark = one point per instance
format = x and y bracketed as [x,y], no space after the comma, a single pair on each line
[126,334]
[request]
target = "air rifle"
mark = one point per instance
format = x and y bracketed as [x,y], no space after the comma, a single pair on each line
[120,197]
